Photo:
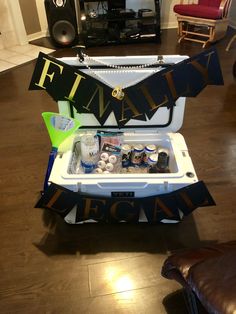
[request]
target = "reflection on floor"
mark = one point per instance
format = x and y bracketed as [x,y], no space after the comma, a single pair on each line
[16,55]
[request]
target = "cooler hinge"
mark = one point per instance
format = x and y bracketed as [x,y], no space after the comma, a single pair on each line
[142,131]
[79,187]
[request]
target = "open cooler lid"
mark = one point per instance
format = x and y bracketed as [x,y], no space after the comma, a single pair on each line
[113,71]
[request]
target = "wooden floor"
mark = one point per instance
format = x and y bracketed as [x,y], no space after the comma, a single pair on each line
[48,266]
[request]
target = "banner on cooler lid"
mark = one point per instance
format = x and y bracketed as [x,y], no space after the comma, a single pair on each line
[139,101]
[114,209]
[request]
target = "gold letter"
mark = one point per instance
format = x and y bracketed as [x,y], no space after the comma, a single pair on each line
[89,208]
[131,106]
[114,208]
[45,72]
[189,202]
[163,208]
[54,198]
[74,87]
[203,70]
[102,108]
[171,85]
[151,100]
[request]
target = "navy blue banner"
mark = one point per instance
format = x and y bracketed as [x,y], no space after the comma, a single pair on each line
[162,89]
[114,209]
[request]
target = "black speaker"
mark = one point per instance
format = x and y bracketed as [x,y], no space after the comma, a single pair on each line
[62,22]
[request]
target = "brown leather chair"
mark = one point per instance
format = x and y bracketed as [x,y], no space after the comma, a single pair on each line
[208,275]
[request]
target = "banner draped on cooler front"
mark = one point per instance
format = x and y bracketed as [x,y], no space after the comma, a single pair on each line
[141,101]
[114,209]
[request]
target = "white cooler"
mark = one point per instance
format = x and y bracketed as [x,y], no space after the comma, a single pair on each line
[181,173]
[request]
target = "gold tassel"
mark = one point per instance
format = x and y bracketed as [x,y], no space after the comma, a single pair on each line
[118,93]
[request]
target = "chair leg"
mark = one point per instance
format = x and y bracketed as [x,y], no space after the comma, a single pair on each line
[186,33]
[211,37]
[212,33]
[180,28]
[230,43]
[181,38]
[182,31]
[205,43]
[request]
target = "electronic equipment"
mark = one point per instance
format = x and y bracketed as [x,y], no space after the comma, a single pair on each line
[122,13]
[62,22]
[133,33]
[92,14]
[118,4]
[145,13]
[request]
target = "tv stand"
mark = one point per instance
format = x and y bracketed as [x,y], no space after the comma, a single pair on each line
[102,24]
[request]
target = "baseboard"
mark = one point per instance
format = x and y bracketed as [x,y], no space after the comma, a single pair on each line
[169,25]
[37,35]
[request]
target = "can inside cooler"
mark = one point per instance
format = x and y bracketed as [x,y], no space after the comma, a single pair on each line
[163,141]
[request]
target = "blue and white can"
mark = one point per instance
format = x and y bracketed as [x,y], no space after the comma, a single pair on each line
[137,154]
[152,160]
[148,151]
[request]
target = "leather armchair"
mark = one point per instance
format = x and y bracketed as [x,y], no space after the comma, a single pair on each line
[208,274]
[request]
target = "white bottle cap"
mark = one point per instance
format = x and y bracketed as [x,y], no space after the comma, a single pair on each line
[98,170]
[112,159]
[101,164]
[104,156]
[109,166]
[106,172]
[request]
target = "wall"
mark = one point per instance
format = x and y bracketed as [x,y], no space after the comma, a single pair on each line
[42,17]
[11,24]
[168,19]
[30,16]
[232,15]
[8,36]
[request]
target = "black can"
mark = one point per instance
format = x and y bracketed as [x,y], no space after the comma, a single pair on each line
[163,162]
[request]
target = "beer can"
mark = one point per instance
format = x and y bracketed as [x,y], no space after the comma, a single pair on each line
[148,150]
[137,154]
[163,161]
[163,150]
[152,160]
[87,167]
[126,151]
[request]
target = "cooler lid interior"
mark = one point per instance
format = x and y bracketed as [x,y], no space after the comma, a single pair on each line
[115,71]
